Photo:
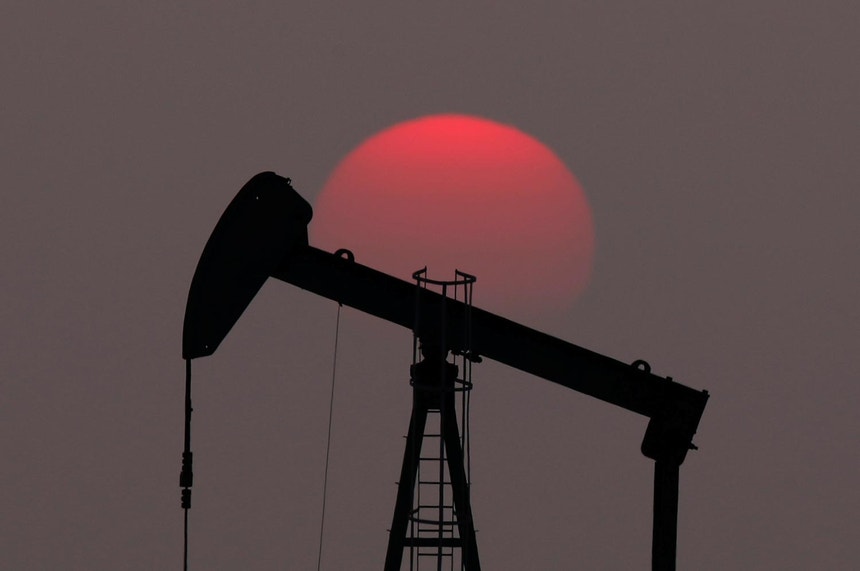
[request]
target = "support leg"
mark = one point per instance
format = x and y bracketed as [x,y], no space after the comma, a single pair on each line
[460,489]
[663,546]
[405,489]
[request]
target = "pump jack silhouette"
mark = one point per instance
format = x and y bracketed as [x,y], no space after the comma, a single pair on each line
[263,233]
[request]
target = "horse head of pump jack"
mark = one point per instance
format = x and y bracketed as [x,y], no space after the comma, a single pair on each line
[263,224]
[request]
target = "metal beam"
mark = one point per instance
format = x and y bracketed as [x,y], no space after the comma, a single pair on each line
[392,299]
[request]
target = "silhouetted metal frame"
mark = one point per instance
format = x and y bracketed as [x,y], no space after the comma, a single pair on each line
[263,233]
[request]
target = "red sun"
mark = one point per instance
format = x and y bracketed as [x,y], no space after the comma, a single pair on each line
[456,191]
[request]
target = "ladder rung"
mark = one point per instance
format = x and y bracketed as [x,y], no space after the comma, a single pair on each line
[434,542]
[434,532]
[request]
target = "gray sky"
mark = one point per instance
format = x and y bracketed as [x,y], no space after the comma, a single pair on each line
[717,143]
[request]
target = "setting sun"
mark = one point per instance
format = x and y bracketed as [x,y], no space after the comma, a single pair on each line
[456,191]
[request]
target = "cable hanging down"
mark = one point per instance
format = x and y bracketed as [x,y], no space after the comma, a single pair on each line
[186,477]
[328,438]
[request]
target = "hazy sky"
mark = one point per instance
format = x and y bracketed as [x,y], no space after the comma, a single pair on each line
[717,143]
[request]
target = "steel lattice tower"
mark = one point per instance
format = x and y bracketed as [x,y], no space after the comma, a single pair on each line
[433,514]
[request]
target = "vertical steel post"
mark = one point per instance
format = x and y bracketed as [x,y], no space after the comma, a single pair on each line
[665,538]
